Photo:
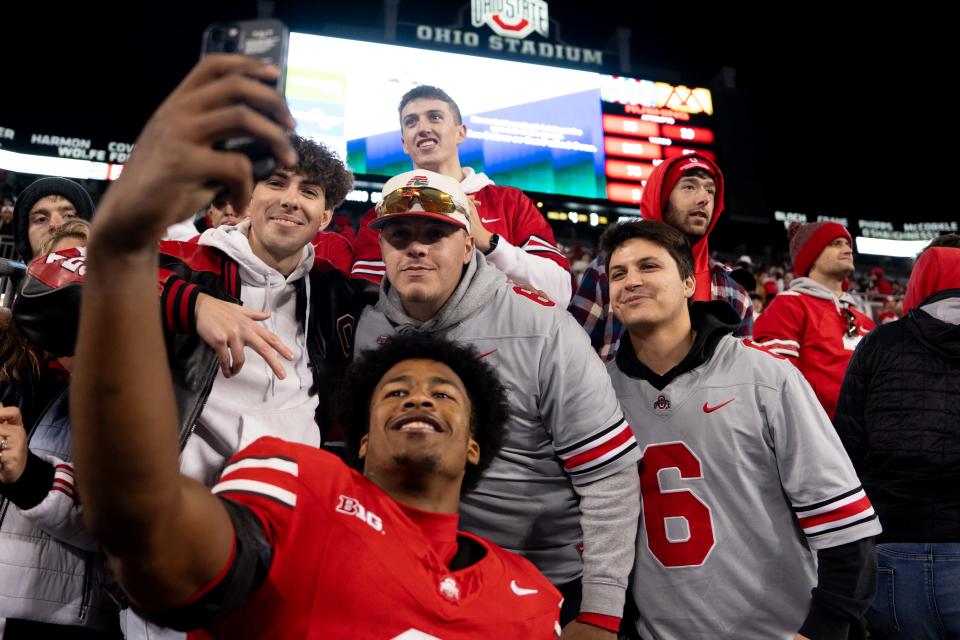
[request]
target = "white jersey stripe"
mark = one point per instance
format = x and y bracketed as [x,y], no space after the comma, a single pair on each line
[260,488]
[602,460]
[789,343]
[830,506]
[277,464]
[837,524]
[370,271]
[785,352]
[369,263]
[64,477]
[593,444]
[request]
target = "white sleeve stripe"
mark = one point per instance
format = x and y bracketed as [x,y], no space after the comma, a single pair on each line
[604,459]
[372,272]
[839,524]
[260,488]
[65,477]
[611,433]
[830,506]
[539,249]
[368,263]
[277,464]
[785,352]
[790,343]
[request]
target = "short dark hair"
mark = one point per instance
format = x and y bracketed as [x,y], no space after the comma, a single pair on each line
[317,163]
[653,231]
[488,397]
[698,173]
[426,92]
[951,240]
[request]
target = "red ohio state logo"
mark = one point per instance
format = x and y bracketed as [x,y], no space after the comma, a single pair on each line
[511,18]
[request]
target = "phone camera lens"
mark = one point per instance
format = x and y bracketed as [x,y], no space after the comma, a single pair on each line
[230,46]
[216,34]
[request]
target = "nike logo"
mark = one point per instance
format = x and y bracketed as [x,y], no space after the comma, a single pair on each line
[520,591]
[488,220]
[484,355]
[707,409]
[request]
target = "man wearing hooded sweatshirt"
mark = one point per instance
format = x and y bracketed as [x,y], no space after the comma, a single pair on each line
[815,323]
[687,194]
[306,315]
[42,208]
[506,227]
[562,492]
[897,418]
[754,524]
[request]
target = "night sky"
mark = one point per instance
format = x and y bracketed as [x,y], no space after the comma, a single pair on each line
[830,98]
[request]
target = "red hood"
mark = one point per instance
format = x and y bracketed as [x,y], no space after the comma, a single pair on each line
[651,208]
[937,269]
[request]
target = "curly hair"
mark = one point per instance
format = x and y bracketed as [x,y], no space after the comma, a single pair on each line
[488,398]
[321,165]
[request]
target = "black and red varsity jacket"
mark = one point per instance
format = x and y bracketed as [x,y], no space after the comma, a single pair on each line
[188,269]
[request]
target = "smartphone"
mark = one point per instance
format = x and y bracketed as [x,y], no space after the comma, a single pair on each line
[267,41]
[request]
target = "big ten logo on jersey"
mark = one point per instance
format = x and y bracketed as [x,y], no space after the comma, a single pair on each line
[73,260]
[534,294]
[352,507]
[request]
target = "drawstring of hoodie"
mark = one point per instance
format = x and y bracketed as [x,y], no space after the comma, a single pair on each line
[268,306]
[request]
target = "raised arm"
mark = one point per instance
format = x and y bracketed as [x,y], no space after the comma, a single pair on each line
[167,537]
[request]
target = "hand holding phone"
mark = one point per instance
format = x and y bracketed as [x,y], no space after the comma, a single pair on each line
[266,41]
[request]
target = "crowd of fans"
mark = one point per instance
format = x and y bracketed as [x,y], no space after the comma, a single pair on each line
[262,422]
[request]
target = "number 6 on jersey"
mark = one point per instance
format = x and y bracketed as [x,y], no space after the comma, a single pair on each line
[660,505]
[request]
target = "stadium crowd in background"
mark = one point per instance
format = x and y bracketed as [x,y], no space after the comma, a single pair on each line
[268,418]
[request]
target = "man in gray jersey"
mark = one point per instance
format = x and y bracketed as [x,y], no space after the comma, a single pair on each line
[563,490]
[754,524]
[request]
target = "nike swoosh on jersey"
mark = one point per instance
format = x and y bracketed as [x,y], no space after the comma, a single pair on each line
[520,591]
[488,220]
[707,409]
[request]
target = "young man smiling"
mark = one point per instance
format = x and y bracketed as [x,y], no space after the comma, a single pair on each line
[563,490]
[748,499]
[505,225]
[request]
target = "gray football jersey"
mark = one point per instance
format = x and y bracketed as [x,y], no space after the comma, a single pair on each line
[565,426]
[742,478]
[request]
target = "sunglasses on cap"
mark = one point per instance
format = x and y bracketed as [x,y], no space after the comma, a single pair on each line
[432,200]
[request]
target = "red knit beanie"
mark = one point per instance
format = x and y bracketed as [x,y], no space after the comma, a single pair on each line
[675,172]
[808,240]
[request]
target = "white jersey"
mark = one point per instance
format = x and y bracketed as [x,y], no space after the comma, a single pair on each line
[565,424]
[742,478]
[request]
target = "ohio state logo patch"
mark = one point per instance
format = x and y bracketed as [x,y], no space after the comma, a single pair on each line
[662,403]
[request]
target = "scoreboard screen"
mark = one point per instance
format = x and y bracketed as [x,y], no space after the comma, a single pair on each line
[536,127]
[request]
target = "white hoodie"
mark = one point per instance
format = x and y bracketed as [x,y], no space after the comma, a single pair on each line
[254,402]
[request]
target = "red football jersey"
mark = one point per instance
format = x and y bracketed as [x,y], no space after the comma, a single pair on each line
[816,335]
[348,562]
[505,211]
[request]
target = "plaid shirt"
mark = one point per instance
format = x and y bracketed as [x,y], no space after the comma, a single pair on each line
[591,306]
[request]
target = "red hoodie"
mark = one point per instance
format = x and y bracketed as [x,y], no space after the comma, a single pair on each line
[937,269]
[652,206]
